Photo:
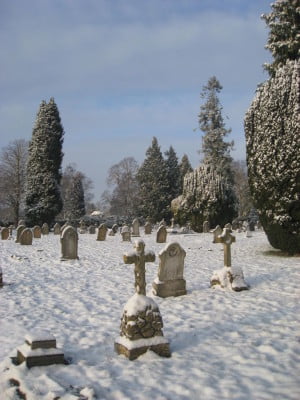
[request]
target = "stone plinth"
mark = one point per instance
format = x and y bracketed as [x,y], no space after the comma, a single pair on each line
[229,277]
[40,350]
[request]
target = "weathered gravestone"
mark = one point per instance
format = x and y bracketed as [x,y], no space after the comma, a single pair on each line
[26,237]
[216,232]
[115,228]
[56,228]
[37,232]
[21,222]
[4,233]
[148,228]
[228,226]
[69,244]
[205,227]
[170,281]
[141,323]
[91,229]
[161,234]
[102,231]
[39,349]
[126,234]
[231,277]
[45,229]
[135,227]
[82,227]
[20,228]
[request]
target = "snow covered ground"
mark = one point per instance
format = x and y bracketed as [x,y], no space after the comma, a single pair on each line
[225,345]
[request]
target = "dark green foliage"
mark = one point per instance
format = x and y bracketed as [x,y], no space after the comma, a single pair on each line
[185,167]
[173,174]
[74,199]
[272,128]
[284,27]
[43,198]
[153,183]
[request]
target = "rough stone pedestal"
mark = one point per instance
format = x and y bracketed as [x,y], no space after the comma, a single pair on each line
[176,287]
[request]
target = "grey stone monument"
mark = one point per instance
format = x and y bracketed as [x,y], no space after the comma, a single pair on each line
[37,232]
[69,244]
[102,231]
[26,237]
[161,234]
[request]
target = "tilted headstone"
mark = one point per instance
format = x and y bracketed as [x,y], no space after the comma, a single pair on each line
[205,227]
[161,234]
[228,276]
[135,227]
[102,231]
[141,316]
[170,281]
[4,233]
[56,228]
[26,237]
[37,232]
[69,244]
[126,234]
[20,228]
[45,229]
[148,228]
[40,349]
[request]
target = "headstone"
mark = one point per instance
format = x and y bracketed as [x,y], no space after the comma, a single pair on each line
[69,244]
[216,232]
[21,222]
[20,228]
[40,349]
[92,229]
[115,228]
[162,222]
[4,233]
[228,226]
[82,227]
[161,234]
[248,231]
[228,276]
[170,281]
[205,227]
[141,323]
[148,228]
[56,228]
[172,223]
[102,231]
[126,234]
[45,229]
[135,227]
[26,237]
[37,232]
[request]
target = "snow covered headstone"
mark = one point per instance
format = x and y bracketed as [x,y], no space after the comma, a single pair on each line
[231,277]
[37,232]
[126,234]
[4,233]
[161,234]
[148,228]
[102,231]
[135,227]
[45,229]
[20,228]
[26,237]
[170,281]
[56,228]
[69,244]
[205,227]
[141,323]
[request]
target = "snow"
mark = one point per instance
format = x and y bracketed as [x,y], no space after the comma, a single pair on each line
[225,344]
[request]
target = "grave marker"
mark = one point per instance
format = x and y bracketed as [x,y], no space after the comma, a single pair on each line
[37,232]
[4,233]
[69,244]
[102,231]
[26,237]
[161,234]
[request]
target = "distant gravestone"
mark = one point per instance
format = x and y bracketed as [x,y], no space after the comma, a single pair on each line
[26,237]
[56,229]
[22,222]
[170,281]
[4,233]
[37,232]
[205,227]
[69,244]
[148,228]
[92,229]
[126,234]
[115,228]
[161,234]
[102,231]
[82,227]
[45,229]
[228,226]
[20,228]
[216,232]
[135,227]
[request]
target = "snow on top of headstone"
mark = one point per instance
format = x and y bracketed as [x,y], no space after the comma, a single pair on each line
[39,336]
[137,303]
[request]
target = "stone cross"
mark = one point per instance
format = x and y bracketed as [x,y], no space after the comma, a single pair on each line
[227,239]
[139,257]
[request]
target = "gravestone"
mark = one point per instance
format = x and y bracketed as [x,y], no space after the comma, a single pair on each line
[26,237]
[115,228]
[4,233]
[56,228]
[248,231]
[135,227]
[170,281]
[39,349]
[216,232]
[20,228]
[161,234]
[126,234]
[82,227]
[102,231]
[45,229]
[141,322]
[37,232]
[231,277]
[21,222]
[148,228]
[92,230]
[228,226]
[69,244]
[205,227]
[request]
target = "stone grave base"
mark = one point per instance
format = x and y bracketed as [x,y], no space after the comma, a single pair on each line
[229,277]
[176,287]
[133,349]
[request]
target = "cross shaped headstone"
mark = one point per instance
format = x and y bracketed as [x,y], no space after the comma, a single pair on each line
[227,239]
[139,257]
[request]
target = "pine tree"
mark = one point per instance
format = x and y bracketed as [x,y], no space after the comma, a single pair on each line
[173,173]
[43,198]
[74,199]
[284,27]
[185,167]
[153,184]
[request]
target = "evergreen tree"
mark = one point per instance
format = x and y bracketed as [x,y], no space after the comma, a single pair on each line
[74,199]
[185,167]
[43,198]
[173,173]
[153,184]
[284,27]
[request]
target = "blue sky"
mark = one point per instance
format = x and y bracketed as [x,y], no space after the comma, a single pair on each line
[123,71]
